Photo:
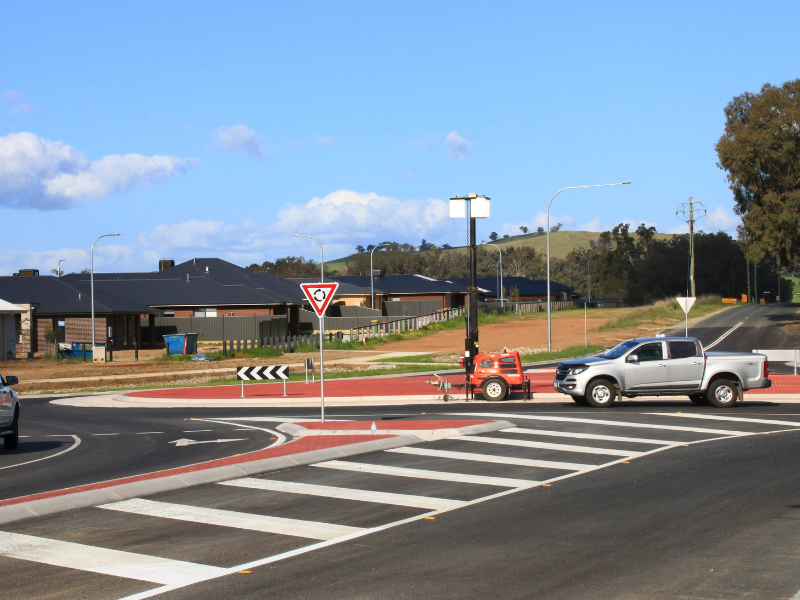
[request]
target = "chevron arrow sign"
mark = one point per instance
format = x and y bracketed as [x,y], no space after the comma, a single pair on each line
[262,373]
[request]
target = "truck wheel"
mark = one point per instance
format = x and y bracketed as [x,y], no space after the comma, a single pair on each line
[580,400]
[699,399]
[723,393]
[494,389]
[12,441]
[601,393]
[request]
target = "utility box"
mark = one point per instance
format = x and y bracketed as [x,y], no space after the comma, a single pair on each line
[181,343]
[99,353]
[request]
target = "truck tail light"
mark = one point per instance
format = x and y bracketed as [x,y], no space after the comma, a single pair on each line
[766,368]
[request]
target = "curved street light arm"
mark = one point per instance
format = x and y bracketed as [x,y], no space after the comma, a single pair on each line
[91,265]
[321,254]
[574,187]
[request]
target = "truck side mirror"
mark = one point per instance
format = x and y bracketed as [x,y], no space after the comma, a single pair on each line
[632,358]
[12,380]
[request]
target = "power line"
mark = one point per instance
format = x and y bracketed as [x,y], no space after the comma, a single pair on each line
[687,213]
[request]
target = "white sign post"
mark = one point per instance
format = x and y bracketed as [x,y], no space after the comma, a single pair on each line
[319,295]
[686,304]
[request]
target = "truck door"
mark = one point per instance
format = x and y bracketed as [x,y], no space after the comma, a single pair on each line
[686,364]
[650,371]
[6,404]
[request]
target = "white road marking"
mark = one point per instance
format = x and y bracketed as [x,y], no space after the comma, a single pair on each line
[503,460]
[320,545]
[105,434]
[722,418]
[77,443]
[547,446]
[278,435]
[724,335]
[343,465]
[609,423]
[149,432]
[588,436]
[229,518]
[345,493]
[188,442]
[105,561]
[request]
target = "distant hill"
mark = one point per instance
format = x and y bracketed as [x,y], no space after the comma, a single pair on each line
[561,244]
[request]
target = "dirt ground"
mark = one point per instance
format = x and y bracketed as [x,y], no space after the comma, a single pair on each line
[528,332]
[39,368]
[531,332]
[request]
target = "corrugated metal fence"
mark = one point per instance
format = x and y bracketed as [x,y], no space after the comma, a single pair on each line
[218,328]
[411,308]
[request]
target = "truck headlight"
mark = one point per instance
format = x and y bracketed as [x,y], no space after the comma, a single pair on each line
[576,370]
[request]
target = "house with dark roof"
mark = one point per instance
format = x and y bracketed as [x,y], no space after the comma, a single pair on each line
[64,308]
[399,288]
[528,289]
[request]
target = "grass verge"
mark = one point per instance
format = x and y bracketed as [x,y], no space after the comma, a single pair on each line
[662,310]
[571,352]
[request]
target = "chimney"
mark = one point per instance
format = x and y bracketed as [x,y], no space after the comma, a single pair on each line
[206,269]
[165,263]
[187,278]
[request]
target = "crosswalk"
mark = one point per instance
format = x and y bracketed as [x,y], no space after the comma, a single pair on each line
[283,514]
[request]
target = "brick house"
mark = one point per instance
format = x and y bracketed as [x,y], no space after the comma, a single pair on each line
[395,288]
[203,287]
[529,289]
[50,304]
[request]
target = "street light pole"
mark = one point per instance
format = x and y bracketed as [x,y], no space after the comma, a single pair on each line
[91,254]
[321,330]
[479,208]
[588,274]
[59,266]
[586,304]
[574,187]
[372,276]
[501,272]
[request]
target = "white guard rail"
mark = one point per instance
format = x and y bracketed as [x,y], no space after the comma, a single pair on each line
[789,356]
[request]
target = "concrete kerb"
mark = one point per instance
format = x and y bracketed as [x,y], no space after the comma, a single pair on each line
[126,491]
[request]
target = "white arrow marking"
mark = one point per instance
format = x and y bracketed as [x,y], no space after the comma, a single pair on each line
[187,442]
[269,372]
[282,372]
[242,373]
[255,374]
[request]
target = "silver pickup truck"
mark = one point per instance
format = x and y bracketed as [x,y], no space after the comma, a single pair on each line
[9,412]
[662,366]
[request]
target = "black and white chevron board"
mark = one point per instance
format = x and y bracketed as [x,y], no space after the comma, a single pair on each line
[262,373]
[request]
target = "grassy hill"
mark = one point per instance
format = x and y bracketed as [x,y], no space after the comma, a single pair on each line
[562,243]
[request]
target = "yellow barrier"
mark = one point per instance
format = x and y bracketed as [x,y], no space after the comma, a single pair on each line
[729,300]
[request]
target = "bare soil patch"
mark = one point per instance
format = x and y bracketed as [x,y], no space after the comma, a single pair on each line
[531,331]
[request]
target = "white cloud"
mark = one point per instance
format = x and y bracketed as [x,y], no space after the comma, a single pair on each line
[457,146]
[723,220]
[12,95]
[240,137]
[45,175]
[341,220]
[538,220]
[326,141]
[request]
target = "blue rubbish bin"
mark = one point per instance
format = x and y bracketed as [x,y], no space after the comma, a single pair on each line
[181,343]
[82,350]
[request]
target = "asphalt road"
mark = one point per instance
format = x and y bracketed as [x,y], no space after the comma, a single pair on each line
[630,512]
[767,326]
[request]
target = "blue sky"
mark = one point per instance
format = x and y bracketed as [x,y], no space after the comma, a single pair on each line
[221,128]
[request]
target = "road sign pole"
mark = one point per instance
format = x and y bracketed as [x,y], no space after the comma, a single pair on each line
[242,388]
[321,367]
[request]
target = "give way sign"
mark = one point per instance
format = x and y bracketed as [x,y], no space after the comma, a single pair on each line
[686,303]
[319,295]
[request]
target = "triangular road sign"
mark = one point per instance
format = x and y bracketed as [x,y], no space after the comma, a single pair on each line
[686,303]
[319,295]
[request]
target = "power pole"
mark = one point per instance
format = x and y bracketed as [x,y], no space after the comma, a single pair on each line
[687,213]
